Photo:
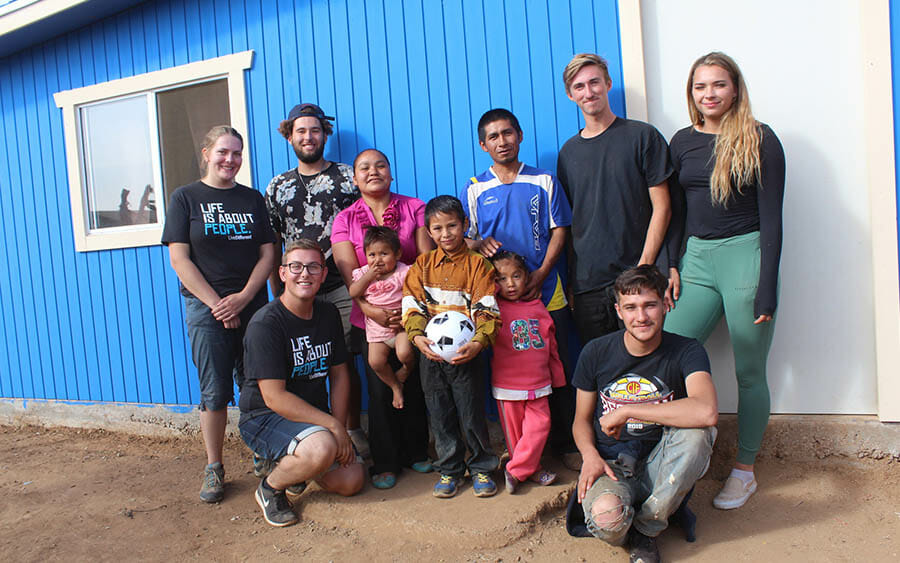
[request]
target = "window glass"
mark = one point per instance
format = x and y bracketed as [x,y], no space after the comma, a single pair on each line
[185,115]
[118,163]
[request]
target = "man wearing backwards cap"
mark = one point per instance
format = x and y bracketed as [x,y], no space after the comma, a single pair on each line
[644,417]
[302,204]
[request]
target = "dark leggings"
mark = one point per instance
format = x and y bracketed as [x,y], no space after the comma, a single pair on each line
[397,437]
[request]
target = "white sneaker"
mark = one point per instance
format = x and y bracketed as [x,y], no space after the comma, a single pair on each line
[734,493]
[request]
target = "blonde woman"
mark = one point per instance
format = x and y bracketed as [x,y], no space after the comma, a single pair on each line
[727,194]
[221,247]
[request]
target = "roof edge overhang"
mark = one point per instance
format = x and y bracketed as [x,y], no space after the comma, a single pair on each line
[24,23]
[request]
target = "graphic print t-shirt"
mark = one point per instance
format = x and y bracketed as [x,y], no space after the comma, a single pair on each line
[225,228]
[281,345]
[305,207]
[606,367]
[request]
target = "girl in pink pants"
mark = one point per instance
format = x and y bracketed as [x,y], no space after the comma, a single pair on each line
[524,369]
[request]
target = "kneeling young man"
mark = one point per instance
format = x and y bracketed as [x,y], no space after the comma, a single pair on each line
[644,419]
[290,346]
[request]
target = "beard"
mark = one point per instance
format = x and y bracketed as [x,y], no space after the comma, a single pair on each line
[310,158]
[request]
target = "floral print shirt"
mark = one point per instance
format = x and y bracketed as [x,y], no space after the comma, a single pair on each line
[305,207]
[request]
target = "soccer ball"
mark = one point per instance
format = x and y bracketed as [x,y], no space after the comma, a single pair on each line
[449,331]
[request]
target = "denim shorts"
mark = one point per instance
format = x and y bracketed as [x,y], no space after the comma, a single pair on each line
[217,351]
[271,436]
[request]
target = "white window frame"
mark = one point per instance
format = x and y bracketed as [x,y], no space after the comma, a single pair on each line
[230,67]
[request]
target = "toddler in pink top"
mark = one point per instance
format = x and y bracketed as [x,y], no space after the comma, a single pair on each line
[380,281]
[524,369]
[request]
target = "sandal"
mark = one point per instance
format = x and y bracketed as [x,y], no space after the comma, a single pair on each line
[384,480]
[543,477]
[422,466]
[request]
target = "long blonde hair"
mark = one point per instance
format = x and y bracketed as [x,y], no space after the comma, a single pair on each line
[737,144]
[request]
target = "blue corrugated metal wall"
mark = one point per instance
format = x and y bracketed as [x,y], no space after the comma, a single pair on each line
[411,78]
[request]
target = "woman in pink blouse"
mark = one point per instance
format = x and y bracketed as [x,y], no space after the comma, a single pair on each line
[397,437]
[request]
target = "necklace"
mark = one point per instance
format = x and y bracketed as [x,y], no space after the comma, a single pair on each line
[311,182]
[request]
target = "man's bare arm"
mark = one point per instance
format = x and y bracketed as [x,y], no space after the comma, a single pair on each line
[659,222]
[698,410]
[593,466]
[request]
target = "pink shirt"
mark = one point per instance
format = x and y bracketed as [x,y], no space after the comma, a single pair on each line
[387,293]
[404,214]
[526,360]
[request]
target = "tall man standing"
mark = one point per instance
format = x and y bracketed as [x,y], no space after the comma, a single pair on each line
[615,173]
[524,210]
[302,204]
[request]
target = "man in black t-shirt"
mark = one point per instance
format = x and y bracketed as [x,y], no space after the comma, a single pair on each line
[291,346]
[644,418]
[303,203]
[614,172]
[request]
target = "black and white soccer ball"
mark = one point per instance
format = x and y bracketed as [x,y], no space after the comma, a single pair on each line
[449,331]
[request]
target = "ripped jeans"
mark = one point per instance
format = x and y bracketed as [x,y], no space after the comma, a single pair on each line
[670,470]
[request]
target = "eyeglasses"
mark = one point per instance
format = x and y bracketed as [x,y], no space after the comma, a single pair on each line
[314,268]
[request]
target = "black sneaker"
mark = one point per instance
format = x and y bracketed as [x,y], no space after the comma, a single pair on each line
[213,488]
[275,506]
[642,549]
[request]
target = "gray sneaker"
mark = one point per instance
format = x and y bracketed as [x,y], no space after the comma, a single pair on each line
[213,488]
[275,506]
[262,466]
[295,491]
[360,442]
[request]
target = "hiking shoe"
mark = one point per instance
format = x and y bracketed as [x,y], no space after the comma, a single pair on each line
[295,491]
[734,493]
[483,485]
[275,506]
[572,461]
[360,442]
[213,488]
[510,481]
[642,549]
[262,466]
[446,487]
[543,477]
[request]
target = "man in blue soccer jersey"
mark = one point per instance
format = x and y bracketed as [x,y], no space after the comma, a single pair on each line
[524,210]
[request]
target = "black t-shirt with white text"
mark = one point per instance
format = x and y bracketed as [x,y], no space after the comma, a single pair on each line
[224,228]
[607,368]
[280,345]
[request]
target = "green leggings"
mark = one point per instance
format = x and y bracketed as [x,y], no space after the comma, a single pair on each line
[721,276]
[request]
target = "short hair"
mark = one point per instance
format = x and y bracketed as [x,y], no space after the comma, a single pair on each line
[580,61]
[645,276]
[304,244]
[286,127]
[384,156]
[502,255]
[387,235]
[497,114]
[444,204]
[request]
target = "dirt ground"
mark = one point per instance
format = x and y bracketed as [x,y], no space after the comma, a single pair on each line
[100,496]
